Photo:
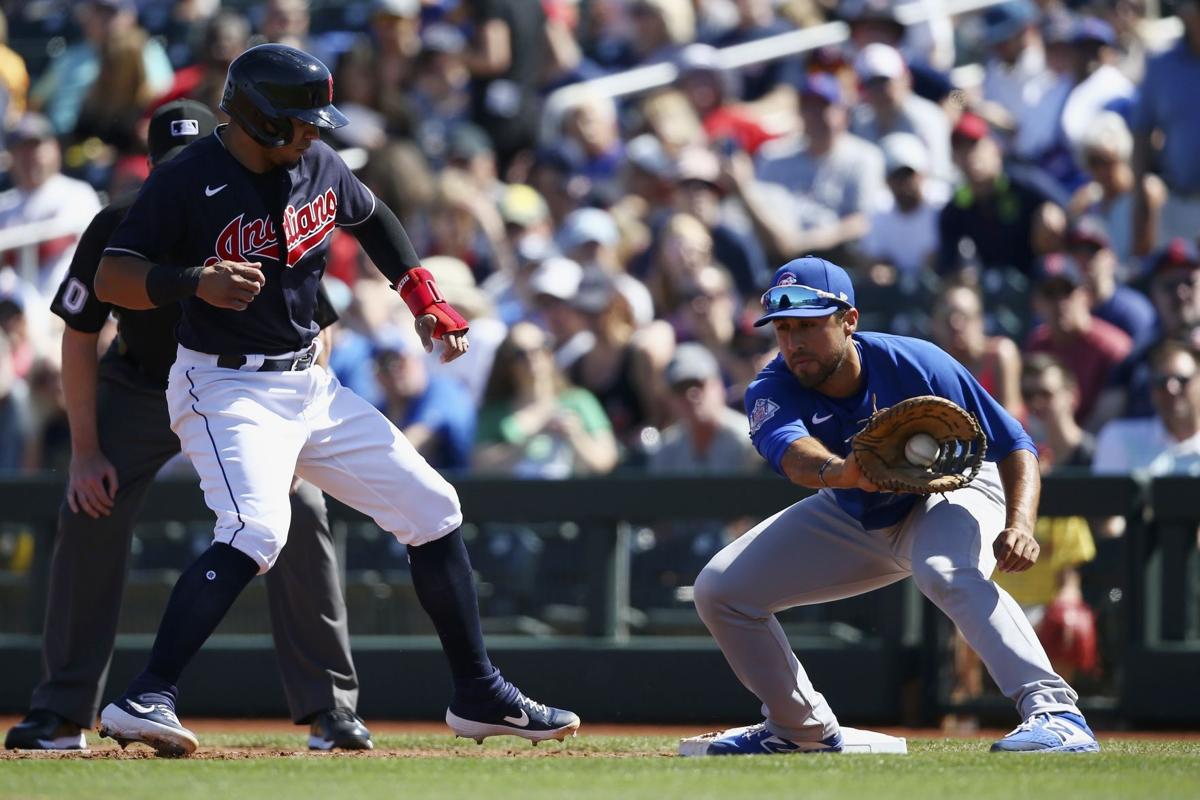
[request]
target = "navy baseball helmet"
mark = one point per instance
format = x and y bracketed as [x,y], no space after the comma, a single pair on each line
[807,287]
[270,85]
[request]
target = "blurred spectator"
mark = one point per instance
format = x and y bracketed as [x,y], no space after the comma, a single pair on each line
[1126,18]
[660,28]
[14,79]
[440,95]
[684,248]
[711,92]
[1127,308]
[592,139]
[904,237]
[767,81]
[812,192]
[1099,85]
[358,91]
[1174,274]
[286,22]
[177,24]
[464,224]
[1132,445]
[533,422]
[957,327]
[929,43]
[1091,347]
[61,89]
[114,105]
[708,436]
[707,312]
[1005,220]
[16,422]
[889,106]
[1015,76]
[50,446]
[1166,106]
[700,193]
[1105,153]
[42,194]
[590,236]
[225,36]
[399,175]
[432,410]
[1051,397]
[507,61]
[1038,138]
[552,285]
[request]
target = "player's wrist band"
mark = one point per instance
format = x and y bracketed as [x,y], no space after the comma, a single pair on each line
[419,291]
[166,285]
[821,471]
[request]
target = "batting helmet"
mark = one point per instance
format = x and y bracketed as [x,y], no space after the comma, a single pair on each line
[271,84]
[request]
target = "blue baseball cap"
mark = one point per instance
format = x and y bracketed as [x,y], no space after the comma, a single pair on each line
[807,287]
[1005,21]
[824,86]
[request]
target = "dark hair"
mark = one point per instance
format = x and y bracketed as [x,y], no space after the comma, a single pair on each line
[1038,363]
[1166,350]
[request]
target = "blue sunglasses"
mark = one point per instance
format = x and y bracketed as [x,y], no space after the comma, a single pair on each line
[796,296]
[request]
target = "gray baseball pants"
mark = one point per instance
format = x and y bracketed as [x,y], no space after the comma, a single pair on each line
[814,552]
[90,561]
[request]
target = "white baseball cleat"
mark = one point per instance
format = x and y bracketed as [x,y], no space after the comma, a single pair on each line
[759,740]
[153,723]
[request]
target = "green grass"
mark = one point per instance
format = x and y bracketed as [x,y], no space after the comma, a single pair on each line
[619,767]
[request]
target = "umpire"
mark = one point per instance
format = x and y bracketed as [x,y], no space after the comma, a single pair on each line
[120,438]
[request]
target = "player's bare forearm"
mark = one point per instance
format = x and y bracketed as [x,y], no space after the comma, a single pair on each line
[809,463]
[121,281]
[1022,488]
[79,377]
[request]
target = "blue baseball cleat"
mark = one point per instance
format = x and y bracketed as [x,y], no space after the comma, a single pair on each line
[148,718]
[755,740]
[1061,732]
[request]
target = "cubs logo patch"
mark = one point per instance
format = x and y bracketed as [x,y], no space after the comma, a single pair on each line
[788,279]
[763,410]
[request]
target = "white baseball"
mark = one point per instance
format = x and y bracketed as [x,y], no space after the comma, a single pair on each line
[921,450]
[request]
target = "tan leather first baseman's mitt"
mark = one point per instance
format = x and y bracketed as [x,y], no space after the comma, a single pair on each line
[923,445]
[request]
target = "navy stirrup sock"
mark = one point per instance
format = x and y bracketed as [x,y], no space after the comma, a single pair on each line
[201,598]
[445,585]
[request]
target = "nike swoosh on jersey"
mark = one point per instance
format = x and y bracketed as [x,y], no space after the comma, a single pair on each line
[520,721]
[818,419]
[209,191]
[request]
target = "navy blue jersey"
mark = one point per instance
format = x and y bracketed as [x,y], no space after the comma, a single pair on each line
[895,368]
[203,206]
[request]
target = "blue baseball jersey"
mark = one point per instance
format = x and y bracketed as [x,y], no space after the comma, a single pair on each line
[203,206]
[895,368]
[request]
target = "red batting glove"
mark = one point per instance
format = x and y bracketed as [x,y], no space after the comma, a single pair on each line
[418,289]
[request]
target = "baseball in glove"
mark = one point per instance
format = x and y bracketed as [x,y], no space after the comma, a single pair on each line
[887,458]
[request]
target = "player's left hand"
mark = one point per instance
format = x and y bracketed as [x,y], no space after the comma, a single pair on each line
[455,343]
[1016,550]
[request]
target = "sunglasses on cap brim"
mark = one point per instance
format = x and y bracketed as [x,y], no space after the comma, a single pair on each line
[798,297]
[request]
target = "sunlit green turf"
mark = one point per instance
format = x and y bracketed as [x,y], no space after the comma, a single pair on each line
[619,767]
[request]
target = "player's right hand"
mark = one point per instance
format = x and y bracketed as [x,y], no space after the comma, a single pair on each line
[231,284]
[92,485]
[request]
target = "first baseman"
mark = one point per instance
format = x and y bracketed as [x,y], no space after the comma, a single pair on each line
[120,438]
[850,538]
[237,227]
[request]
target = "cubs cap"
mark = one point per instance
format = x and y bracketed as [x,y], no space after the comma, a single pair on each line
[177,124]
[829,290]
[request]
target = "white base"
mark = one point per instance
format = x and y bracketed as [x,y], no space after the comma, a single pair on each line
[854,741]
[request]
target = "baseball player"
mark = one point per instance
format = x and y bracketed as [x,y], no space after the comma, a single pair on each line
[121,437]
[850,538]
[237,229]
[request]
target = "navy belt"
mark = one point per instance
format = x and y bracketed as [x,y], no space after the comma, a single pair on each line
[299,363]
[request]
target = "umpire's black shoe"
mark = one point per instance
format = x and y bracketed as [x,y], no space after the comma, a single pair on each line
[42,729]
[511,714]
[339,729]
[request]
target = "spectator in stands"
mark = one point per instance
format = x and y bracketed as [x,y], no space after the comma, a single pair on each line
[177,26]
[958,328]
[929,43]
[465,224]
[591,237]
[14,80]
[431,409]
[1006,221]
[1105,153]
[1099,85]
[1127,308]
[552,285]
[812,193]
[592,139]
[684,248]
[1091,347]
[534,423]
[661,28]
[700,192]
[42,194]
[903,238]
[711,92]
[225,36]
[1133,444]
[507,59]
[1051,397]
[358,93]
[441,95]
[708,312]
[60,91]
[767,83]
[1015,76]
[50,446]
[1167,106]
[115,104]
[888,105]
[16,422]
[286,22]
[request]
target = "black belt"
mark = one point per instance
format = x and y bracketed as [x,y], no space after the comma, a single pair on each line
[298,363]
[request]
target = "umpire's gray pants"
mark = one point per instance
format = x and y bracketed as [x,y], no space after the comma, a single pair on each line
[813,552]
[90,560]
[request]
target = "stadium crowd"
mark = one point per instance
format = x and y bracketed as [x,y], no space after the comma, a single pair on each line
[1015,183]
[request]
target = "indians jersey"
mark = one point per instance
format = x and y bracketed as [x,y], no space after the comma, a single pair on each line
[894,368]
[203,206]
